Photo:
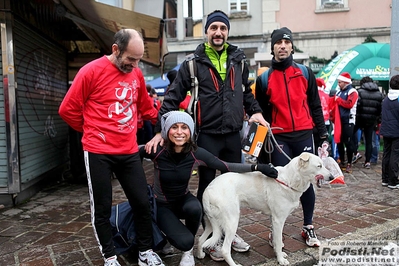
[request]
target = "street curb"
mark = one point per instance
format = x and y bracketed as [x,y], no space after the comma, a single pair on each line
[309,256]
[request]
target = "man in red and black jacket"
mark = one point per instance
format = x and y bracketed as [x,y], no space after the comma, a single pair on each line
[291,104]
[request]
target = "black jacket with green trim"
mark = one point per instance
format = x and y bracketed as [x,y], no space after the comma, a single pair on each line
[221,104]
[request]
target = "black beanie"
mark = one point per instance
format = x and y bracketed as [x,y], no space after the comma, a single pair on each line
[217,15]
[283,33]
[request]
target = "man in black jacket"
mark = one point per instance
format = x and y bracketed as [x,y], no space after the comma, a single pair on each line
[223,94]
[368,114]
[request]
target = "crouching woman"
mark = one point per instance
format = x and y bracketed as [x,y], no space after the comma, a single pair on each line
[173,165]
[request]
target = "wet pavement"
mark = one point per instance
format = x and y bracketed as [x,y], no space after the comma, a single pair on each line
[53,227]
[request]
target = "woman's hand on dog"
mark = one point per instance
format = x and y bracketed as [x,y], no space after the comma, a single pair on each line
[267,169]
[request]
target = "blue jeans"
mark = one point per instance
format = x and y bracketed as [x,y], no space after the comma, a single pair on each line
[376,148]
[346,143]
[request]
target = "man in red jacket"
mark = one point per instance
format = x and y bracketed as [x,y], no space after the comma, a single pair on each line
[344,107]
[291,104]
[103,102]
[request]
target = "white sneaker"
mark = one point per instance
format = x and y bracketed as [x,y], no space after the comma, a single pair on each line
[149,258]
[187,259]
[167,249]
[215,252]
[239,244]
[310,236]
[111,261]
[356,157]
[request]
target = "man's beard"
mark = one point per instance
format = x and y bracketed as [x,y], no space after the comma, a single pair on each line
[122,67]
[218,45]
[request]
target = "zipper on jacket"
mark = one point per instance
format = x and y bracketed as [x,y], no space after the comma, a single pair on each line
[289,101]
[232,77]
[214,79]
[199,115]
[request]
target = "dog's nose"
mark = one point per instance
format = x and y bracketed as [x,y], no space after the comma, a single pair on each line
[331,177]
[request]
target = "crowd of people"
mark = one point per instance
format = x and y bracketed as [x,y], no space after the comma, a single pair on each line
[111,104]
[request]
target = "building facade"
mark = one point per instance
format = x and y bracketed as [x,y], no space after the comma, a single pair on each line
[321,28]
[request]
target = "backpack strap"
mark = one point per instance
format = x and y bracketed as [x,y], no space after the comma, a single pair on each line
[242,71]
[192,106]
[265,79]
[192,67]
[304,70]
[265,75]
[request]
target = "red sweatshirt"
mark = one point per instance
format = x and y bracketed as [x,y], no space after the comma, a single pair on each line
[103,103]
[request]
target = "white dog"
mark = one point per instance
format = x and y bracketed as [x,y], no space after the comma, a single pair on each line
[228,192]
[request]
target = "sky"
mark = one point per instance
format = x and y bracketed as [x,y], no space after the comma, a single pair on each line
[197,9]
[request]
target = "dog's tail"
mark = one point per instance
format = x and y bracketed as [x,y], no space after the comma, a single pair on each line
[211,225]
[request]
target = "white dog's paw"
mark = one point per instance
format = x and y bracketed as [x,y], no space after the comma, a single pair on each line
[200,253]
[283,262]
[282,259]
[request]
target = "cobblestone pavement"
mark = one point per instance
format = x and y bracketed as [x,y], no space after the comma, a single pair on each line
[53,227]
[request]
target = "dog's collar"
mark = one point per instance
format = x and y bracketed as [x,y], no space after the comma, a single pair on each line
[285,184]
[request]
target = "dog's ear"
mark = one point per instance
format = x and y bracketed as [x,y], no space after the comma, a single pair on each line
[305,156]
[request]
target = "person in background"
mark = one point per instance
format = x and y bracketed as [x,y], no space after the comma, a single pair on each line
[171,75]
[324,101]
[357,140]
[224,93]
[368,115]
[259,72]
[140,130]
[291,104]
[344,118]
[148,125]
[184,104]
[390,132]
[247,157]
[375,144]
[334,149]
[154,96]
[103,102]
[173,163]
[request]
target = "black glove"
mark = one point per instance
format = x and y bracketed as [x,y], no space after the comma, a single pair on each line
[324,136]
[267,169]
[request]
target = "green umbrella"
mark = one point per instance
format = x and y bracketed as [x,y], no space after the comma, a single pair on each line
[368,59]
